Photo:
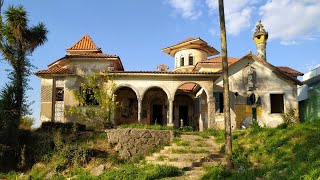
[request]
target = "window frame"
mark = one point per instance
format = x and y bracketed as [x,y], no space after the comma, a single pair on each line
[191,58]
[282,106]
[57,97]
[181,61]
[219,103]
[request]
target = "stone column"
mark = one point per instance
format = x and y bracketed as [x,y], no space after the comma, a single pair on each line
[211,111]
[170,123]
[139,109]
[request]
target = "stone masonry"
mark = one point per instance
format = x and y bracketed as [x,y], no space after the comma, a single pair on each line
[132,142]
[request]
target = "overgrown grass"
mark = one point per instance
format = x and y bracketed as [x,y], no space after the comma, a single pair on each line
[291,152]
[73,155]
[144,172]
[180,142]
[145,126]
[179,130]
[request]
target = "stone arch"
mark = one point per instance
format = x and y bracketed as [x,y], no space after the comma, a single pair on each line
[201,115]
[169,96]
[128,86]
[127,113]
[155,105]
[186,82]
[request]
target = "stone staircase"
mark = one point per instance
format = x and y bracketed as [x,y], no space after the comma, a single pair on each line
[190,153]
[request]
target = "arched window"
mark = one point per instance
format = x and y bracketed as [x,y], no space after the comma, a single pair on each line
[181,61]
[190,59]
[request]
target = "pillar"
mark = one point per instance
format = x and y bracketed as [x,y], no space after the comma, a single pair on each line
[139,109]
[211,112]
[170,123]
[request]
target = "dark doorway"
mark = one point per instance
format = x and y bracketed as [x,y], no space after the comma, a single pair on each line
[157,114]
[183,114]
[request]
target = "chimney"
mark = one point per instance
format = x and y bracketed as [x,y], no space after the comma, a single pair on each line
[260,37]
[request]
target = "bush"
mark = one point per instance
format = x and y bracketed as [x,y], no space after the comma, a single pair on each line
[290,117]
[144,172]
[74,155]
[144,126]
[34,146]
[185,129]
[63,127]
[8,129]
[26,122]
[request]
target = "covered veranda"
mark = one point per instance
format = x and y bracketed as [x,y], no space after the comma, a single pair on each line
[165,98]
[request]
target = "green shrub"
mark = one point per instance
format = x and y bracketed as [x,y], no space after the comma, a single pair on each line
[75,155]
[185,129]
[144,126]
[26,122]
[216,173]
[63,127]
[290,117]
[141,172]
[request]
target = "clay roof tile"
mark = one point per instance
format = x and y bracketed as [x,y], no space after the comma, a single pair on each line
[85,43]
[54,71]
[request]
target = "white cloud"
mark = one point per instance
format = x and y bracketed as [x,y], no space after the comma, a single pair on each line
[238,13]
[186,8]
[291,21]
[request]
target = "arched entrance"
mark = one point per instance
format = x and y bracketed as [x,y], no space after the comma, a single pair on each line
[190,106]
[127,113]
[155,106]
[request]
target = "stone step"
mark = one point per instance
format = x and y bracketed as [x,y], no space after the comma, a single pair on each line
[189,147]
[195,144]
[173,163]
[179,155]
[176,157]
[213,163]
[195,138]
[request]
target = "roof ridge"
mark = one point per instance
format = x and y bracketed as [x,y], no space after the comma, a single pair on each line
[85,43]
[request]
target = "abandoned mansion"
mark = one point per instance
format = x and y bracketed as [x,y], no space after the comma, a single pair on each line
[189,95]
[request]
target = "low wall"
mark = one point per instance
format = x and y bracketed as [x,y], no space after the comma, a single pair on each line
[132,142]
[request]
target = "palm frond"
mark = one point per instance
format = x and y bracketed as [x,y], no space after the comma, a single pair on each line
[16,20]
[36,36]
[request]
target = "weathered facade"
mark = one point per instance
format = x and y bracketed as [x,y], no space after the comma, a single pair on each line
[189,95]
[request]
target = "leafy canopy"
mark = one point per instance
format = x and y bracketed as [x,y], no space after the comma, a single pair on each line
[96,100]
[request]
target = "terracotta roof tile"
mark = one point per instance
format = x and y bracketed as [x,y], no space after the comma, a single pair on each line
[215,62]
[290,71]
[187,87]
[162,72]
[219,60]
[85,43]
[54,70]
[93,55]
[186,40]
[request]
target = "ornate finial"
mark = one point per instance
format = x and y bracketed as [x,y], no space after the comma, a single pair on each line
[163,68]
[260,30]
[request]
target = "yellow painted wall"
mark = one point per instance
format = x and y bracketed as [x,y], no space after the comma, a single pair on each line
[244,111]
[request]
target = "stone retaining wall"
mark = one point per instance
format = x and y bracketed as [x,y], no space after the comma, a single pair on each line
[132,142]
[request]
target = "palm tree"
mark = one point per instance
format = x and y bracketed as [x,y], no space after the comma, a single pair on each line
[17,41]
[223,36]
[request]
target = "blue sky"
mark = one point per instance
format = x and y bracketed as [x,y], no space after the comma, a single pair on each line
[138,30]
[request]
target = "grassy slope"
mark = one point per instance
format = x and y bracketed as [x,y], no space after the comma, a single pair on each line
[281,153]
[75,154]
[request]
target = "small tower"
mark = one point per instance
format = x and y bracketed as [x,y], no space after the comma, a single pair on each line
[189,52]
[260,36]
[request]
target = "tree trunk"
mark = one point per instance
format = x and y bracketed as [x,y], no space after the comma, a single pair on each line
[227,119]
